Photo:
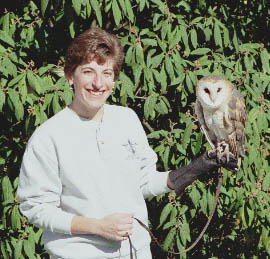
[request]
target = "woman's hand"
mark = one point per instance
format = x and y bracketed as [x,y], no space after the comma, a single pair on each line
[117,226]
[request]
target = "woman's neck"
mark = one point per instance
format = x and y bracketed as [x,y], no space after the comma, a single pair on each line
[92,114]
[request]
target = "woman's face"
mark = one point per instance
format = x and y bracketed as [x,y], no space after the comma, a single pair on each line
[93,84]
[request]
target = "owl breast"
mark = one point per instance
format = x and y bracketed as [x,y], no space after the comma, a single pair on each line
[218,125]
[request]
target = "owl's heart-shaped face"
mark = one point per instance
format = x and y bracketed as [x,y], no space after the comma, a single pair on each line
[213,93]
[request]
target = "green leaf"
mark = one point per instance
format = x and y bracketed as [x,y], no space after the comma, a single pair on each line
[163,77]
[200,51]
[7,189]
[72,29]
[10,66]
[161,107]
[235,41]
[242,215]
[203,203]
[116,12]
[207,33]
[2,99]
[165,28]
[162,44]
[6,22]
[16,79]
[265,61]
[184,37]
[43,70]
[149,42]
[198,144]
[18,249]
[44,5]
[250,216]
[61,83]
[15,218]
[123,6]
[185,5]
[156,60]
[77,6]
[28,249]
[16,103]
[266,182]
[210,201]
[193,35]
[95,5]
[176,39]
[165,158]
[31,239]
[88,8]
[137,71]
[159,3]
[165,213]
[149,105]
[189,83]
[33,82]
[179,245]
[6,38]
[169,67]
[129,11]
[139,54]
[196,20]
[195,196]
[4,251]
[67,96]
[142,4]
[227,41]
[55,104]
[169,239]
[217,35]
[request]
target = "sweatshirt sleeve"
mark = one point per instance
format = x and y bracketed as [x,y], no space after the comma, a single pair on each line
[40,188]
[152,182]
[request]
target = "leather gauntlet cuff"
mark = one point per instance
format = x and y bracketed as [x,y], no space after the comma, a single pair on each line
[184,176]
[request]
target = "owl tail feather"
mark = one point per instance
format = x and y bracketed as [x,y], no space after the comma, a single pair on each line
[239,162]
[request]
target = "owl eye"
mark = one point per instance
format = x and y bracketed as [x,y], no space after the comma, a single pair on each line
[219,89]
[206,90]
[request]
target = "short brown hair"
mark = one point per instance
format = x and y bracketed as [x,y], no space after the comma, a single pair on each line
[94,44]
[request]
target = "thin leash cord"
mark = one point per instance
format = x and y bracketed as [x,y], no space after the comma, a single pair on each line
[130,247]
[220,171]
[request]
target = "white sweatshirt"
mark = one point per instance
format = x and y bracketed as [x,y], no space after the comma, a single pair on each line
[74,166]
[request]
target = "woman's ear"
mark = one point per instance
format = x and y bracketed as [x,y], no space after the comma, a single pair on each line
[69,79]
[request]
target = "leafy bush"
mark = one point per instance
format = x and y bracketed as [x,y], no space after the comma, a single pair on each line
[169,45]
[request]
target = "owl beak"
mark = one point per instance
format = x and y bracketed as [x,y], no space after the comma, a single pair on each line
[213,96]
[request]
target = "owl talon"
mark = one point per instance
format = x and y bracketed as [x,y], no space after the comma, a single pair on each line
[223,152]
[221,157]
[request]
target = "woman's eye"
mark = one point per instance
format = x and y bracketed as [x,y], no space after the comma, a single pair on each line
[108,74]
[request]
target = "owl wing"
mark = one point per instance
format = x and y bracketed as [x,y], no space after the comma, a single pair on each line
[200,116]
[237,116]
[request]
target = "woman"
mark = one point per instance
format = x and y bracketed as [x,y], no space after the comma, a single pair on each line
[87,170]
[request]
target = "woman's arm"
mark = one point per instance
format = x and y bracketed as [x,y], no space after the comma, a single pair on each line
[40,187]
[116,226]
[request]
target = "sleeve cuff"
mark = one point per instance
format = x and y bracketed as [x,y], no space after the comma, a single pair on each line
[62,222]
[159,183]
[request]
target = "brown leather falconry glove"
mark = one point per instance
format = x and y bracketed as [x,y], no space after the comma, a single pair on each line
[206,163]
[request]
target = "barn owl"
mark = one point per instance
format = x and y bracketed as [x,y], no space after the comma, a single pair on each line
[221,113]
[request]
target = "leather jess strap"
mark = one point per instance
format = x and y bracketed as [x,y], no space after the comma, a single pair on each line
[201,234]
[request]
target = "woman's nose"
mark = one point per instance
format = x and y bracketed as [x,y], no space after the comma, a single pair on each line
[97,82]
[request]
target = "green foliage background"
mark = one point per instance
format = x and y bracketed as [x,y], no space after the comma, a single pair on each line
[169,45]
